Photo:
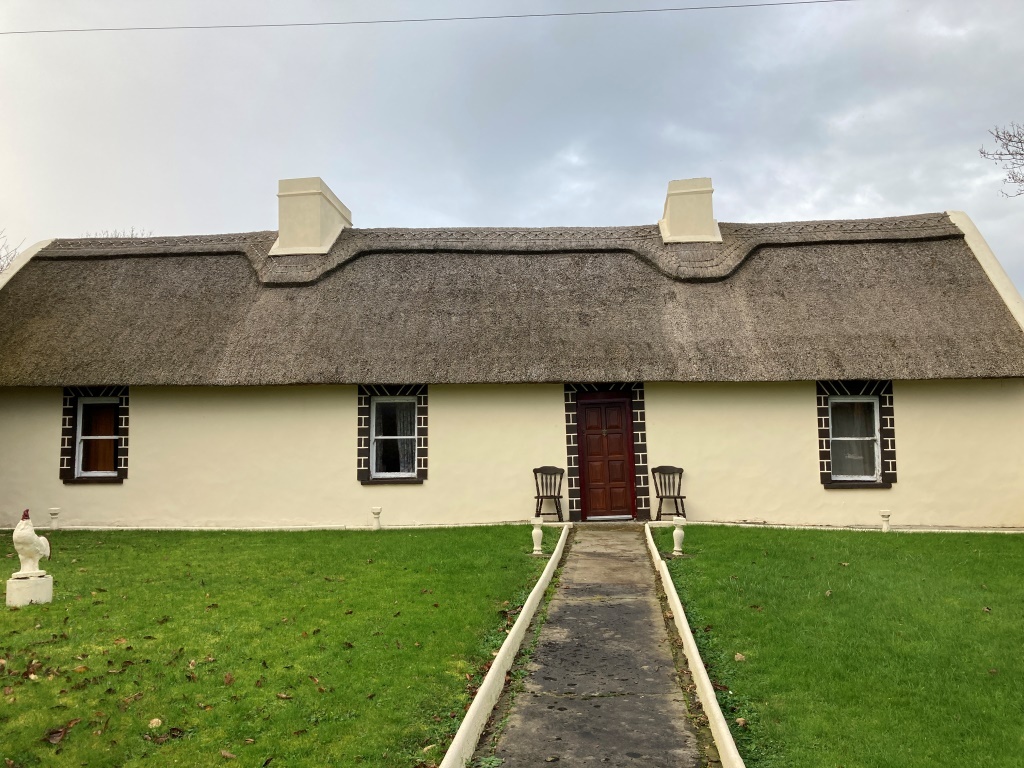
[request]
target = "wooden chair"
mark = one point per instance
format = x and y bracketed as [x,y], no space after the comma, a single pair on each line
[549,486]
[668,484]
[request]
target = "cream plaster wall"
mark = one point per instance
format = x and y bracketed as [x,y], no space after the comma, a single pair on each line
[750,454]
[286,456]
[282,457]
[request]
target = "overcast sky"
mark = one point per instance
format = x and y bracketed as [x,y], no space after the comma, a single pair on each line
[868,108]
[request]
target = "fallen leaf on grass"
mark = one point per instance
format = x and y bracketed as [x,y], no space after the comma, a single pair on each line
[284,696]
[757,608]
[993,671]
[986,609]
[250,741]
[828,593]
[371,695]
[227,755]
[267,762]
[429,747]
[156,722]
[741,722]
[229,679]
[314,679]
[121,641]
[844,564]
[299,732]
[56,735]
[81,668]
[740,657]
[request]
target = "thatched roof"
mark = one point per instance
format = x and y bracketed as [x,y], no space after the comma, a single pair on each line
[883,298]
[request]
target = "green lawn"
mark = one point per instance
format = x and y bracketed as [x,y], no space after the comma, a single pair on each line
[861,648]
[313,648]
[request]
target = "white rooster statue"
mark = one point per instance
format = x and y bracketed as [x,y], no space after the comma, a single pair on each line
[30,547]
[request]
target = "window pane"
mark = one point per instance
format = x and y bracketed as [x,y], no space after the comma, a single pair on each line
[395,456]
[395,419]
[853,419]
[853,458]
[98,455]
[99,419]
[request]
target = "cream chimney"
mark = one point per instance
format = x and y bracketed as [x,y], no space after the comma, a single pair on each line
[309,217]
[688,216]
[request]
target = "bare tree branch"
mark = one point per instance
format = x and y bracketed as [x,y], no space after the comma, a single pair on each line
[1009,154]
[131,232]
[7,251]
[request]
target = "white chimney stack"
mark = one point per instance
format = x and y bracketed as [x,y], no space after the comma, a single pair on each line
[309,217]
[688,215]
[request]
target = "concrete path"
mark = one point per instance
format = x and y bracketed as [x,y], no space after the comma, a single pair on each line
[602,687]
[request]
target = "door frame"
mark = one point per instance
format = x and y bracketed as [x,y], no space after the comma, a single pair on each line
[625,397]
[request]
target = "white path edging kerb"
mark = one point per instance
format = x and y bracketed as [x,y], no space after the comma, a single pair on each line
[727,751]
[468,736]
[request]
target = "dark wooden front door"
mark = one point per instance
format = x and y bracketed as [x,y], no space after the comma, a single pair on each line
[607,484]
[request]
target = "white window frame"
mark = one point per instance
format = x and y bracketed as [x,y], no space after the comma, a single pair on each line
[877,439]
[374,437]
[79,437]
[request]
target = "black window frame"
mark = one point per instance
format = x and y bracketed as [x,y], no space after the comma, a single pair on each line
[72,398]
[881,392]
[365,397]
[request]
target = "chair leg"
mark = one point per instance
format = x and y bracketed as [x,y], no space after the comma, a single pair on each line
[681,508]
[558,508]
[660,502]
[539,502]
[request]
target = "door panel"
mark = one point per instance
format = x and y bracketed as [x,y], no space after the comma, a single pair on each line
[606,457]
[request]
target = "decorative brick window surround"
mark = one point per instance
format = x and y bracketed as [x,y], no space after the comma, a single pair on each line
[72,438]
[367,393]
[835,393]
[643,494]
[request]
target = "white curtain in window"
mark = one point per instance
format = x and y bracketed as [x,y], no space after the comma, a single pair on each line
[407,426]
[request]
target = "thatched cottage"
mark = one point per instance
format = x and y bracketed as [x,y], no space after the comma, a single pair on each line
[802,372]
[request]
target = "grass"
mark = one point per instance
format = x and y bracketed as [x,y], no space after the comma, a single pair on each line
[313,648]
[861,648]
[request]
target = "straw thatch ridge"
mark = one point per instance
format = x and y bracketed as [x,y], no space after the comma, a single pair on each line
[682,261]
[868,299]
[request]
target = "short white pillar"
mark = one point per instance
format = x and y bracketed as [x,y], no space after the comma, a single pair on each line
[538,537]
[885,520]
[54,514]
[376,517]
[677,537]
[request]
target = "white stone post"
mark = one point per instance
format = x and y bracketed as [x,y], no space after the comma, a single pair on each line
[376,517]
[538,537]
[677,537]
[885,520]
[54,514]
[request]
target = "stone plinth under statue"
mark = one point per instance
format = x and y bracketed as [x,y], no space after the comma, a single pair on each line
[22,590]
